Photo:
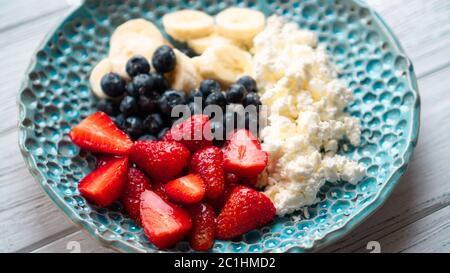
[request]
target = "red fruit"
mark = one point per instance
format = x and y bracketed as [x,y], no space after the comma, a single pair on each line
[162,160]
[98,133]
[245,210]
[251,182]
[186,190]
[243,155]
[231,178]
[207,162]
[195,133]
[218,203]
[164,223]
[160,189]
[136,184]
[204,227]
[104,185]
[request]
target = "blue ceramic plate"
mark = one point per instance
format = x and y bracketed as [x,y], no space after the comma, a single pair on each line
[55,96]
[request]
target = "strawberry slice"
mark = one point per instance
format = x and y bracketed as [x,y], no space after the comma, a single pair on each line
[104,185]
[244,210]
[218,203]
[162,160]
[195,133]
[207,162]
[231,178]
[204,227]
[164,223]
[186,190]
[98,133]
[243,155]
[160,189]
[136,184]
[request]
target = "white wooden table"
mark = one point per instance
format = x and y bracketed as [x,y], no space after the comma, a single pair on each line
[416,217]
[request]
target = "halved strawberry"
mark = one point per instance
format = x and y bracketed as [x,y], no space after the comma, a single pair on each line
[231,178]
[204,227]
[160,189]
[136,184]
[219,202]
[207,162]
[243,155]
[244,210]
[164,223]
[162,160]
[104,185]
[195,133]
[98,133]
[186,190]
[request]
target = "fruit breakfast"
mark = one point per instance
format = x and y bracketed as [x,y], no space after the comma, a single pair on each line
[181,135]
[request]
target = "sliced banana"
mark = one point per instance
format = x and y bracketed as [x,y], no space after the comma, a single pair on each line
[188,24]
[201,44]
[185,76]
[138,26]
[102,68]
[129,45]
[240,24]
[224,63]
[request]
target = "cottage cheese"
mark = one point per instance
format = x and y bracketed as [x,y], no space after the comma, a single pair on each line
[306,118]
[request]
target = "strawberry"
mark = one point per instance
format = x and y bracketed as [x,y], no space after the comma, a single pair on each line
[218,203]
[204,227]
[251,182]
[136,184]
[207,162]
[186,190]
[244,210]
[243,155]
[162,160]
[104,185]
[195,133]
[231,178]
[164,223]
[160,189]
[98,133]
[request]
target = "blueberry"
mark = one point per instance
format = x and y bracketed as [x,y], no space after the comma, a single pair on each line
[189,52]
[108,107]
[113,85]
[119,120]
[249,83]
[147,137]
[236,93]
[148,104]
[129,106]
[131,90]
[209,86]
[195,108]
[163,132]
[252,98]
[153,123]
[216,98]
[137,65]
[169,100]
[164,59]
[218,133]
[133,126]
[233,120]
[161,83]
[195,94]
[144,84]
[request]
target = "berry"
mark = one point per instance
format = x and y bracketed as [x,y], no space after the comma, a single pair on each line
[218,133]
[137,65]
[164,59]
[169,100]
[219,202]
[194,132]
[104,185]
[216,98]
[131,90]
[113,85]
[119,120]
[209,86]
[232,121]
[207,162]
[163,132]
[162,160]
[244,210]
[133,126]
[249,83]
[148,104]
[243,155]
[129,106]
[164,223]
[252,122]
[98,133]
[203,228]
[195,94]
[102,159]
[136,184]
[161,83]
[231,178]
[108,107]
[153,123]
[252,98]
[144,84]
[236,93]
[147,137]
[195,108]
[186,190]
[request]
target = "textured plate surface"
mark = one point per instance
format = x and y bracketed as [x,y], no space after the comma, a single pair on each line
[55,96]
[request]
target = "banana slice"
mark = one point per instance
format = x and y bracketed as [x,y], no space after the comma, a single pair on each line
[138,26]
[224,63]
[129,45]
[102,68]
[188,24]
[240,24]
[201,44]
[185,76]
